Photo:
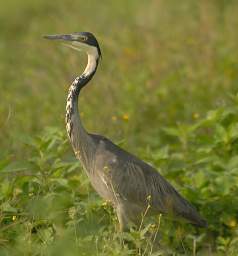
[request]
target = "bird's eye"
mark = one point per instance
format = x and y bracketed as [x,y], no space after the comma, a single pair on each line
[84,38]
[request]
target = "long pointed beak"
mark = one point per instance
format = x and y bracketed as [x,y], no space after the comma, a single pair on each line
[68,37]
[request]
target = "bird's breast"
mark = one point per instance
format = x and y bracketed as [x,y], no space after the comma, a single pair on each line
[101,184]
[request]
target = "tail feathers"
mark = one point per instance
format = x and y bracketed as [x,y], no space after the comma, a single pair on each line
[202,224]
[195,219]
[184,209]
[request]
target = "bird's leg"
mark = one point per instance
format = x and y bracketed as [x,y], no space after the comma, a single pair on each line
[123,220]
[124,226]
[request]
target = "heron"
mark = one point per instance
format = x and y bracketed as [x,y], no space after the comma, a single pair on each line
[131,185]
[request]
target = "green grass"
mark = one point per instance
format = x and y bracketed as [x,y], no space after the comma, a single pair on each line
[165,90]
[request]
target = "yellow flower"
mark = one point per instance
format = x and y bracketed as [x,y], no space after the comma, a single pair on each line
[105,203]
[152,227]
[14,217]
[149,197]
[232,223]
[125,117]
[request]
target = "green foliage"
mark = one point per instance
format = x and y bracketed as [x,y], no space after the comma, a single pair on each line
[206,167]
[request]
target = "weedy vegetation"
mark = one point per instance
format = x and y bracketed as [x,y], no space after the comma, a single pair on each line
[166,90]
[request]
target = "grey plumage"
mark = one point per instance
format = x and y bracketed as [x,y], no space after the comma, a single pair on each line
[130,184]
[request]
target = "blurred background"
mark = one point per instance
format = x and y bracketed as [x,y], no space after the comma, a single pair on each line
[166,64]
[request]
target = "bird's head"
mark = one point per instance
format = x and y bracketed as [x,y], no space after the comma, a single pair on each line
[81,41]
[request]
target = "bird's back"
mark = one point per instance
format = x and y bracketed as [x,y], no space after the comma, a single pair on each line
[123,178]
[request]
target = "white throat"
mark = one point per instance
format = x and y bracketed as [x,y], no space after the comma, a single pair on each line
[92,60]
[92,53]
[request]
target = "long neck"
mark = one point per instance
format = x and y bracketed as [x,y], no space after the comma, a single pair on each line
[81,141]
